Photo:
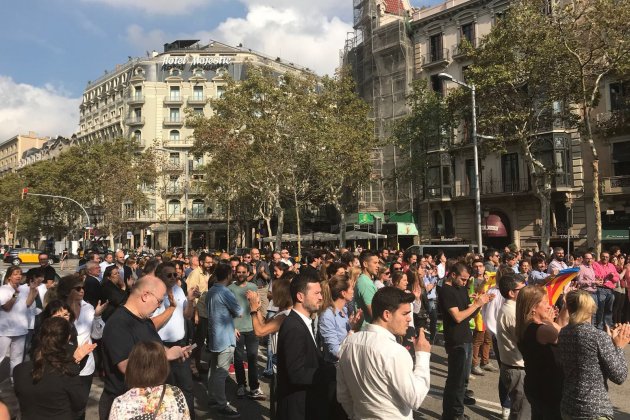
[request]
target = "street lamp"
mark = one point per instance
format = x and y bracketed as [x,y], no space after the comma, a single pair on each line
[446,76]
[186,185]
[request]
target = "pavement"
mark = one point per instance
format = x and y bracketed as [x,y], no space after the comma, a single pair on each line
[485,388]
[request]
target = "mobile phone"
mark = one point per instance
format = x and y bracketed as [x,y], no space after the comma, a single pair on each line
[193,346]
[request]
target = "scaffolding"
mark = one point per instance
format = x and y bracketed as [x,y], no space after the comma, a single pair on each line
[381,56]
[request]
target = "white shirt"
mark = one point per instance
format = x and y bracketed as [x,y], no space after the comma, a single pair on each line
[103,266]
[14,322]
[376,378]
[175,328]
[490,311]
[506,336]
[309,324]
[84,325]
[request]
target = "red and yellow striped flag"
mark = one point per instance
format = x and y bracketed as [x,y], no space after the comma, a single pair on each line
[556,284]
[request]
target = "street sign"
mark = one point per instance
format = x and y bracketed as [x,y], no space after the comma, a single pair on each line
[129,235]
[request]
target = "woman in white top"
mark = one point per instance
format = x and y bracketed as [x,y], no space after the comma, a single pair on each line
[17,301]
[87,321]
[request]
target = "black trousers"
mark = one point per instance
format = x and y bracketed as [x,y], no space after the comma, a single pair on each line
[459,363]
[105,405]
[181,376]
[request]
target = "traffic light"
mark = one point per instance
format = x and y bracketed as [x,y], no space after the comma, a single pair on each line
[24,192]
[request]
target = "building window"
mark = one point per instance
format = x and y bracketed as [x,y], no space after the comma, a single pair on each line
[173,159]
[437,84]
[220,91]
[198,93]
[137,95]
[198,209]
[509,169]
[173,135]
[137,135]
[174,208]
[137,114]
[174,93]
[621,158]
[174,114]
[436,52]
[619,95]
[198,111]
[468,33]
[197,163]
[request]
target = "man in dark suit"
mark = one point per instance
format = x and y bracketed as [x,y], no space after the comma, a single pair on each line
[303,377]
[92,284]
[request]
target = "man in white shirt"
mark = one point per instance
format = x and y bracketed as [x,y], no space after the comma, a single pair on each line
[169,320]
[109,260]
[376,377]
[512,373]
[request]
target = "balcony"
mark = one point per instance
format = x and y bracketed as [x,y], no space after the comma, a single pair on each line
[173,122]
[441,232]
[435,59]
[460,51]
[173,100]
[197,100]
[499,187]
[134,121]
[616,185]
[140,217]
[563,181]
[177,190]
[182,142]
[198,215]
[173,166]
[614,123]
[135,100]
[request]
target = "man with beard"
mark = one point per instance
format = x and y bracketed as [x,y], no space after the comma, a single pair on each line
[457,311]
[170,322]
[303,377]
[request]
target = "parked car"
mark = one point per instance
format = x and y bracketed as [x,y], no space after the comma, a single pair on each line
[18,256]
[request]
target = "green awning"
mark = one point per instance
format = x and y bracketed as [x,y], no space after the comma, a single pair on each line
[614,234]
[404,217]
[407,229]
[364,218]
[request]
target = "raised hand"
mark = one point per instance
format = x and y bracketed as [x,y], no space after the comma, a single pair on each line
[98,311]
[355,319]
[83,350]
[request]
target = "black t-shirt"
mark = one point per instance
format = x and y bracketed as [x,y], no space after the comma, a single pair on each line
[49,272]
[451,297]
[122,330]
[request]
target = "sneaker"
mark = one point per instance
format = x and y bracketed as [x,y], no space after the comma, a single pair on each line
[505,413]
[256,394]
[241,391]
[476,370]
[490,367]
[229,412]
[469,401]
[469,393]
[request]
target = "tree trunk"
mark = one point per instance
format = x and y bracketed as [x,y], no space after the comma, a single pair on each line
[269,232]
[545,226]
[227,245]
[112,245]
[597,207]
[342,225]
[297,222]
[280,229]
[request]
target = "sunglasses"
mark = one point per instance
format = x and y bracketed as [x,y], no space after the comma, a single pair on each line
[241,272]
[171,275]
[387,273]
[78,288]
[397,268]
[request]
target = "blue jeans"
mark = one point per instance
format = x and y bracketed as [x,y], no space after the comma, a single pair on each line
[459,364]
[269,369]
[432,310]
[605,301]
[246,348]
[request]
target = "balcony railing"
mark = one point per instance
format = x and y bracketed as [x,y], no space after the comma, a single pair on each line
[460,50]
[510,186]
[616,184]
[442,232]
[134,121]
[435,58]
[197,100]
[174,190]
[173,121]
[135,100]
[173,100]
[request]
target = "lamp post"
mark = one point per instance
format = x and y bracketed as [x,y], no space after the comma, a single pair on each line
[471,87]
[186,185]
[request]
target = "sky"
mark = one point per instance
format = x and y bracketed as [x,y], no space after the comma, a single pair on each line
[50,49]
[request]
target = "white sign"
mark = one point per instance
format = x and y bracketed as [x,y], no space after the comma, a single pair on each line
[196,61]
[490,228]
[129,235]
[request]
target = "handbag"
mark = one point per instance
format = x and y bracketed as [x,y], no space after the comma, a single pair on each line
[157,409]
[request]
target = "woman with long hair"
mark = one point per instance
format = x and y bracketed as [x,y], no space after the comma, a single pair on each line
[149,397]
[49,387]
[589,358]
[17,301]
[87,320]
[114,291]
[537,327]
[334,322]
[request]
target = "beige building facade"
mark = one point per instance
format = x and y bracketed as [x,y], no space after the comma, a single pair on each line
[12,150]
[148,99]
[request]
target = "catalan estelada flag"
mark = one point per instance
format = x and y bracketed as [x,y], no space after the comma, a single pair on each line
[555,285]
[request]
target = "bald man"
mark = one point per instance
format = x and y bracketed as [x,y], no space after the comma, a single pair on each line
[127,326]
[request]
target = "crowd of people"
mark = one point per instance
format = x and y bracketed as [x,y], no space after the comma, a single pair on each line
[347,334]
